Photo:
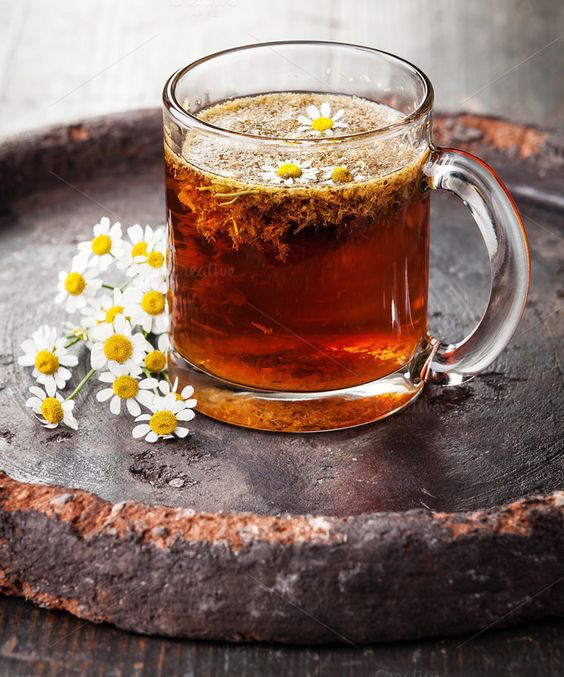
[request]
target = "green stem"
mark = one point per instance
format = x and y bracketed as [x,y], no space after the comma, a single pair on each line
[167,377]
[108,286]
[148,375]
[71,343]
[81,385]
[127,283]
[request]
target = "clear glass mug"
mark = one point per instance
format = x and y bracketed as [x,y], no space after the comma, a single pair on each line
[305,308]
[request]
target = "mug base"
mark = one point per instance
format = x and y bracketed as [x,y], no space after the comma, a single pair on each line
[291,412]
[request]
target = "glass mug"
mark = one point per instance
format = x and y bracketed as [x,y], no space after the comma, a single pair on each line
[303,307]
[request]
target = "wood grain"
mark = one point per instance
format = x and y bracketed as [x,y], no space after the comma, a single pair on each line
[35,641]
[99,56]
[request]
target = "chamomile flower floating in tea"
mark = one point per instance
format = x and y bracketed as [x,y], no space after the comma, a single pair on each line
[103,309]
[115,345]
[339,174]
[289,172]
[78,285]
[104,246]
[49,358]
[168,414]
[147,306]
[320,121]
[51,410]
[126,388]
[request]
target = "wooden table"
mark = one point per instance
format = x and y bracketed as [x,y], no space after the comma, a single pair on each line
[34,641]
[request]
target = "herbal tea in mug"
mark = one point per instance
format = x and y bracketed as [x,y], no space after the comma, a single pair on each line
[299,235]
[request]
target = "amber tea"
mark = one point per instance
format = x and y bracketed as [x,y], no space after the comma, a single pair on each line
[299,272]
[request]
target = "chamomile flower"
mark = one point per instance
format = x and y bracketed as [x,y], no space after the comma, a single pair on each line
[146,305]
[320,121]
[126,388]
[168,413]
[156,360]
[105,246]
[185,394]
[152,264]
[289,172]
[51,410]
[49,358]
[78,285]
[115,345]
[76,331]
[141,243]
[339,174]
[103,308]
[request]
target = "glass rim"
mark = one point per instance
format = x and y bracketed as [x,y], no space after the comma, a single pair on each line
[181,115]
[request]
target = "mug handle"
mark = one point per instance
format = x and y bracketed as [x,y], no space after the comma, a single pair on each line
[493,209]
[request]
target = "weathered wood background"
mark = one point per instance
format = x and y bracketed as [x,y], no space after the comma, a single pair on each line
[68,60]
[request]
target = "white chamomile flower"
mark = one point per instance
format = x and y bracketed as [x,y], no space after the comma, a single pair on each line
[78,285]
[51,410]
[151,264]
[142,242]
[340,174]
[116,345]
[146,305]
[103,308]
[320,121]
[105,246]
[167,413]
[156,360]
[76,331]
[127,388]
[289,172]
[49,358]
[185,394]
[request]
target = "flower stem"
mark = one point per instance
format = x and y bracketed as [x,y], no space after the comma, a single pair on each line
[127,283]
[148,375]
[108,286]
[81,385]
[71,343]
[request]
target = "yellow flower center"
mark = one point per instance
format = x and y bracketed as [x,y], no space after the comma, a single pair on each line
[118,347]
[125,387]
[155,259]
[289,171]
[102,244]
[321,124]
[112,312]
[163,422]
[155,361]
[75,284]
[341,175]
[139,249]
[153,302]
[46,362]
[51,410]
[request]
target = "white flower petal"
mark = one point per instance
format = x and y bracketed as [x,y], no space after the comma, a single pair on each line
[313,112]
[104,394]
[140,430]
[115,405]
[132,406]
[185,415]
